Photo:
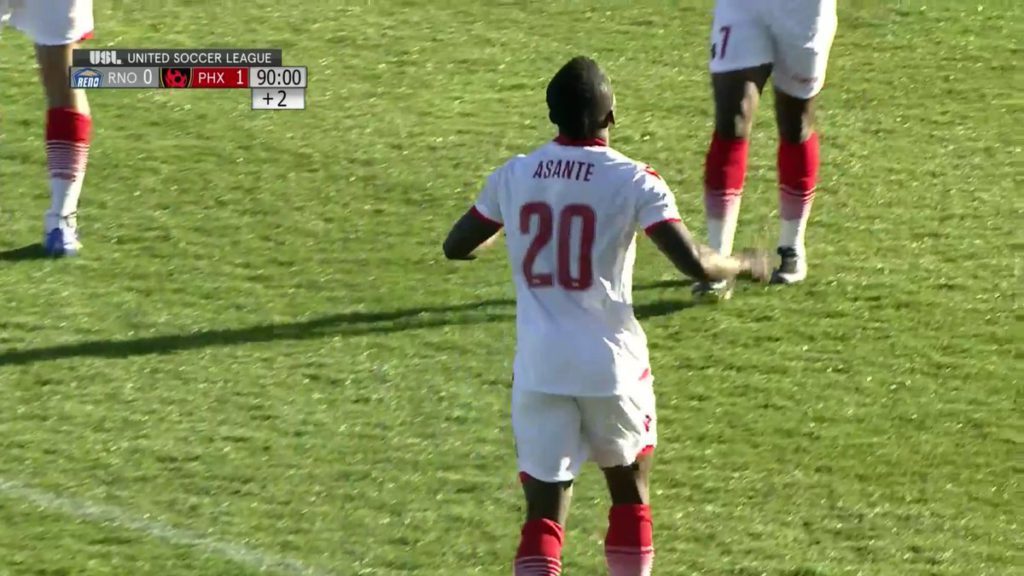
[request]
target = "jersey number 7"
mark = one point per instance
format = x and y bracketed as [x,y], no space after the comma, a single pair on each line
[538,218]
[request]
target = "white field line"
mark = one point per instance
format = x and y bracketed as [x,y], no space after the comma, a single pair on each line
[103,514]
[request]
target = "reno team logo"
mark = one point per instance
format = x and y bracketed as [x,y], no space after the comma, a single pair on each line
[86,78]
[176,77]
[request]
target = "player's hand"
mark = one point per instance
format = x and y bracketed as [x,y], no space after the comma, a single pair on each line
[717,266]
[755,263]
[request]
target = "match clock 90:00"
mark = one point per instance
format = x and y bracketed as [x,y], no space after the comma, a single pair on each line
[282,77]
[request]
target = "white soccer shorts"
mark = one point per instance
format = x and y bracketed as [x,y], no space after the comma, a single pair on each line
[793,35]
[556,434]
[49,22]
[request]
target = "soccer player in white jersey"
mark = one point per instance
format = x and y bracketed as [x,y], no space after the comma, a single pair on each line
[582,383]
[56,27]
[752,40]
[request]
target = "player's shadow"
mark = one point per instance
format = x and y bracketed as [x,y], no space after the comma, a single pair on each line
[32,251]
[344,324]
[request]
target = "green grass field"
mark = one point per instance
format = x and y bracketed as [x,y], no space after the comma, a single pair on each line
[263,358]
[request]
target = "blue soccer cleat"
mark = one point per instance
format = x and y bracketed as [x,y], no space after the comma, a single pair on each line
[61,242]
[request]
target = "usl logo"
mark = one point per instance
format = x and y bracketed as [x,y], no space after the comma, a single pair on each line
[103,57]
[86,78]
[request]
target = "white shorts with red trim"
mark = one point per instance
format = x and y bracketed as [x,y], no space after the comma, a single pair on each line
[50,22]
[793,35]
[556,434]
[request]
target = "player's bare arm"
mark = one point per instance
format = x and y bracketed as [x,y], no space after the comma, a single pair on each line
[698,262]
[469,233]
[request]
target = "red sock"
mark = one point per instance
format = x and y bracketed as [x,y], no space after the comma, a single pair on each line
[629,545]
[68,133]
[725,170]
[67,152]
[540,549]
[798,175]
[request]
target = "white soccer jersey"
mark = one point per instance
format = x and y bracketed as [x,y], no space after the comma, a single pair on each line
[571,211]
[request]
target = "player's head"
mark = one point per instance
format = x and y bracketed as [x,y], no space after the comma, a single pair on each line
[580,100]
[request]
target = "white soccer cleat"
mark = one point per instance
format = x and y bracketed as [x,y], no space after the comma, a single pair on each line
[792,268]
[712,291]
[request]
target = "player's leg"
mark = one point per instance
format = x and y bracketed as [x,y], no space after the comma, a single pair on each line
[737,95]
[629,542]
[56,27]
[550,451]
[798,171]
[542,533]
[68,134]
[803,31]
[5,13]
[741,62]
[621,432]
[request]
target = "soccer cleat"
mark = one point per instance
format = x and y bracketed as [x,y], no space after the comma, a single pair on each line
[712,291]
[792,268]
[61,242]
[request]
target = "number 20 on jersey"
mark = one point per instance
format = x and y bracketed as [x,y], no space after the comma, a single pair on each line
[538,219]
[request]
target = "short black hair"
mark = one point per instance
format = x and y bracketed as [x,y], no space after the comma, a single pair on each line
[580,98]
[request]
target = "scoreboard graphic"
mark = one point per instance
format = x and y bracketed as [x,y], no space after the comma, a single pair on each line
[272,85]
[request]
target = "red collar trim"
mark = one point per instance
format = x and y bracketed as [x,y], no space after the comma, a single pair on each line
[565,141]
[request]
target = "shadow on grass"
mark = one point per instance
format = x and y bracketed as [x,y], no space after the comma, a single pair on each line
[345,324]
[33,251]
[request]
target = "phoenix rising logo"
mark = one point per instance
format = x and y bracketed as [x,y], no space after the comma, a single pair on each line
[177,77]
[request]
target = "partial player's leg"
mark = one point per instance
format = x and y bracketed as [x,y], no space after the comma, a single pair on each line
[5,13]
[56,27]
[550,451]
[622,434]
[741,62]
[737,95]
[629,542]
[798,173]
[68,134]
[542,534]
[803,31]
